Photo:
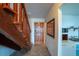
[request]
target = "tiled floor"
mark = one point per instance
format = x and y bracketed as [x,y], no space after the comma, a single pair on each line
[38,50]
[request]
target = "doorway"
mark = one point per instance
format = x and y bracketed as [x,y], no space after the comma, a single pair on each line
[70,27]
[40,32]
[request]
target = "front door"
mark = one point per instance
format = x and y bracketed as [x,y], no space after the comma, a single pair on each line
[40,33]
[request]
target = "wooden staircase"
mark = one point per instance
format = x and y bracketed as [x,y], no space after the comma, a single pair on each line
[14,26]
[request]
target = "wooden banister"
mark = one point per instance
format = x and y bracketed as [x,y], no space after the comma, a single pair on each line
[26,17]
[9,24]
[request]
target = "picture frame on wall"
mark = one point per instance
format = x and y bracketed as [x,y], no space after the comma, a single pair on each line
[51,27]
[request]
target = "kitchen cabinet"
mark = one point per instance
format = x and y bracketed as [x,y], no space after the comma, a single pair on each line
[64,36]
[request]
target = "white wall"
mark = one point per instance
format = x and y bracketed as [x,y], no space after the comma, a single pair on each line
[60,32]
[70,20]
[53,44]
[32,20]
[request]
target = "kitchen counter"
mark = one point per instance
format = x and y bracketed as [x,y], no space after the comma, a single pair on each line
[74,39]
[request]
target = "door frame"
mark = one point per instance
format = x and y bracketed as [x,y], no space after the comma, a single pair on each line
[60,30]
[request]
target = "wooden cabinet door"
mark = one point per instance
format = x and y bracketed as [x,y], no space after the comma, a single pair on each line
[39,33]
[65,36]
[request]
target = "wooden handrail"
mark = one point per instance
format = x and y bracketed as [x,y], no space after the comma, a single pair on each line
[26,16]
[6,24]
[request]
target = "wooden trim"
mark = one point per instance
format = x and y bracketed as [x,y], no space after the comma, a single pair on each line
[45,34]
[50,35]
[8,42]
[15,5]
[22,19]
[51,20]
[20,16]
[52,28]
[20,11]
[26,16]
[6,4]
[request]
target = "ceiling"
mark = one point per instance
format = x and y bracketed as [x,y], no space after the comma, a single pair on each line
[38,10]
[70,8]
